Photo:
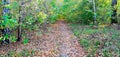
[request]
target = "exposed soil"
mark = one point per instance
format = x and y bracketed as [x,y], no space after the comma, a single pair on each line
[58,41]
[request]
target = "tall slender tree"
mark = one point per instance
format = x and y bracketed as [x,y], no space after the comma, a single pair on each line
[114,10]
[94,8]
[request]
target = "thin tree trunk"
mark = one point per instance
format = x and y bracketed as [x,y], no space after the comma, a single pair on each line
[114,14]
[19,27]
[19,21]
[94,8]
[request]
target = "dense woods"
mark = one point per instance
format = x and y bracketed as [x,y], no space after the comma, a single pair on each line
[98,20]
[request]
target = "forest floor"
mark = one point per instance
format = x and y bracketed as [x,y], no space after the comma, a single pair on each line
[58,41]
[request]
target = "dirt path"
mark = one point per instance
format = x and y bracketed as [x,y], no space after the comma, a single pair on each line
[58,42]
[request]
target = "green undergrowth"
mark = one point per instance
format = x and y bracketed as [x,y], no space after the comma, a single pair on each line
[23,53]
[103,42]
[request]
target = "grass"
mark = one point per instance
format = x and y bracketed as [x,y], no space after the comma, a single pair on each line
[103,42]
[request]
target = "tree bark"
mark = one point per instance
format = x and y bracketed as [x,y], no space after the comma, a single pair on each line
[19,20]
[94,8]
[114,12]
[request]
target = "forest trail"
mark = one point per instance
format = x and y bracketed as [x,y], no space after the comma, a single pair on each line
[58,42]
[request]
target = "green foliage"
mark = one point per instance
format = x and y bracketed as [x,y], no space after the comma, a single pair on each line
[13,39]
[41,17]
[24,53]
[118,11]
[8,23]
[25,41]
[84,42]
[104,11]
[53,18]
[28,16]
[9,20]
[35,13]
[11,53]
[90,31]
[1,38]
[82,11]
[103,41]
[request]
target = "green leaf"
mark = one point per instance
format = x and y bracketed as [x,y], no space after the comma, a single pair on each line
[25,41]
[13,39]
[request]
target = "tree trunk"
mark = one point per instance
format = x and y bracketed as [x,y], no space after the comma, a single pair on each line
[114,10]
[94,8]
[19,20]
